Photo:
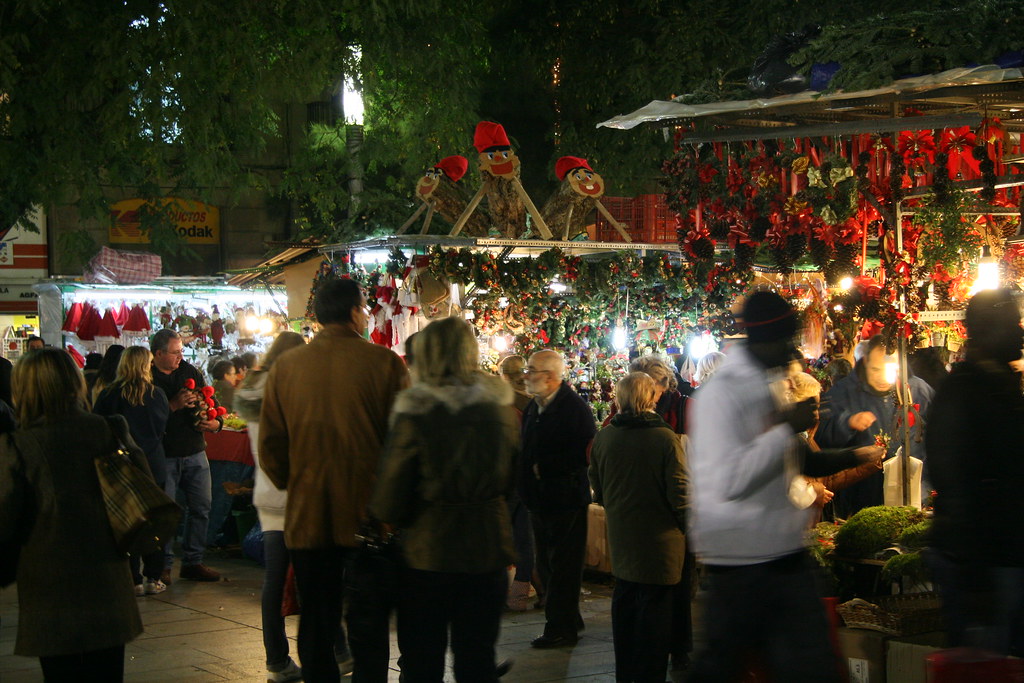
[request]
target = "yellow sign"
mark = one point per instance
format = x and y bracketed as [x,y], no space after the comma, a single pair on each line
[196,222]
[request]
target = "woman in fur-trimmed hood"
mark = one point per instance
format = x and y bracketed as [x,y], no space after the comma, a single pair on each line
[446,473]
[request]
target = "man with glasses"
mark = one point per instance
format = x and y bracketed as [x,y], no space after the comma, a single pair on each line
[188,469]
[558,427]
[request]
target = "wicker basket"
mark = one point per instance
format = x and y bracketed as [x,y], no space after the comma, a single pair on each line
[895,615]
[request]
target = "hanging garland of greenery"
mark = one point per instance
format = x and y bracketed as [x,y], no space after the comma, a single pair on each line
[514,296]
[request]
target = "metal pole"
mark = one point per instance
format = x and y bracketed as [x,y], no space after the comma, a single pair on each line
[903,401]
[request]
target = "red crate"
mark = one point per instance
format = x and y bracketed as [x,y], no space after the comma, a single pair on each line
[646,218]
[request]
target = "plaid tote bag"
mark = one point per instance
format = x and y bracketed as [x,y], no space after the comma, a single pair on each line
[142,517]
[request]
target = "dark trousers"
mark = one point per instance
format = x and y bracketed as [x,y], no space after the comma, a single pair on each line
[276,559]
[682,615]
[774,608]
[320,578]
[561,540]
[470,604]
[99,665]
[522,538]
[641,630]
[149,566]
[372,580]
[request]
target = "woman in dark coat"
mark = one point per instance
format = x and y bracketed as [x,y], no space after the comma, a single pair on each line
[638,475]
[446,473]
[134,397]
[51,505]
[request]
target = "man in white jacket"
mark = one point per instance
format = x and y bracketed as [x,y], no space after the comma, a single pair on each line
[745,526]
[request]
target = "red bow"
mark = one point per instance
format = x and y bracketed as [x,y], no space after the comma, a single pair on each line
[734,179]
[706,173]
[777,235]
[916,146]
[870,329]
[958,143]
[738,235]
[992,130]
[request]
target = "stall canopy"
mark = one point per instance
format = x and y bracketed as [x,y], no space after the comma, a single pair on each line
[957,97]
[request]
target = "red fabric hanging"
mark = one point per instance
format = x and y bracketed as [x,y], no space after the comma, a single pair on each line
[137,320]
[121,314]
[73,318]
[107,327]
[90,324]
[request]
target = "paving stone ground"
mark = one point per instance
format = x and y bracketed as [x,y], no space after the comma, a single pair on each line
[198,632]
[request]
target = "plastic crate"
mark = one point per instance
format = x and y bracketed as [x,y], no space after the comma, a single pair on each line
[646,218]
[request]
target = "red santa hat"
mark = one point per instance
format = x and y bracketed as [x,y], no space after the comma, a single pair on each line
[566,164]
[489,134]
[454,167]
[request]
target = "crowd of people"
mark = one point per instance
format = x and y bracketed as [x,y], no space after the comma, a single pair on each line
[408,487]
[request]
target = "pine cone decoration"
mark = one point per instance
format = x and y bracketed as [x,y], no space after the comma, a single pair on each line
[718,229]
[780,256]
[821,253]
[796,246]
[896,177]
[703,249]
[759,228]
[842,264]
[941,183]
[870,310]
[743,255]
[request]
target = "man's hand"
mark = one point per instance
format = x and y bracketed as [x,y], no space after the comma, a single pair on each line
[183,399]
[858,422]
[801,416]
[209,426]
[872,454]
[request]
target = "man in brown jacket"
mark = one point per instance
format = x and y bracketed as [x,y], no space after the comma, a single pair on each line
[324,419]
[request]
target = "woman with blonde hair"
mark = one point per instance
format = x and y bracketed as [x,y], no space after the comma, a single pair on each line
[51,506]
[445,477]
[638,474]
[133,396]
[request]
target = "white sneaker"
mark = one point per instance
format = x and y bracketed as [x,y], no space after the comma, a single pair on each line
[140,590]
[286,675]
[154,586]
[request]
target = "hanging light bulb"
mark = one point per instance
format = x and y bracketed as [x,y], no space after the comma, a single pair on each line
[846,283]
[988,272]
[619,338]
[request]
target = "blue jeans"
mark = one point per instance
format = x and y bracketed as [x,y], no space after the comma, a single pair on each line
[191,476]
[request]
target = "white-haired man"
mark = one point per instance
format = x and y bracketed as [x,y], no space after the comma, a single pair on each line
[558,427]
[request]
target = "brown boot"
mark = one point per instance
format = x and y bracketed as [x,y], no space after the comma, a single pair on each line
[198,572]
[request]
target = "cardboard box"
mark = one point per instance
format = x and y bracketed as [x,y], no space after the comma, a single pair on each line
[873,657]
[905,659]
[864,653]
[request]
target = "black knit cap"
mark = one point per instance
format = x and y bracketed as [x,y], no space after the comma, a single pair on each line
[768,317]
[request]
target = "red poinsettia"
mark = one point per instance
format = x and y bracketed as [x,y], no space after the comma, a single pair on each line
[958,144]
[916,147]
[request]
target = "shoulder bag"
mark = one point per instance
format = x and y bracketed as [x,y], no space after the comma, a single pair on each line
[142,517]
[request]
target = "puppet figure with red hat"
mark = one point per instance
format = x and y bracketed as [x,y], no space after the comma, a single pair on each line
[507,200]
[441,192]
[568,209]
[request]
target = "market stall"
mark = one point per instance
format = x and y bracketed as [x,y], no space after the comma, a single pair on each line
[213,318]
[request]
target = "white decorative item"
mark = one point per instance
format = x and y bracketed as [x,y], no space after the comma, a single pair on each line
[893,486]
